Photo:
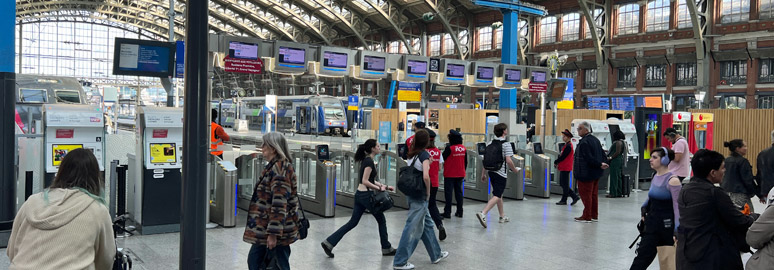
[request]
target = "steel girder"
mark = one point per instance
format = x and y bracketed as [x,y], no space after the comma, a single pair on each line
[700,19]
[587,9]
[351,23]
[524,45]
[245,12]
[299,21]
[79,18]
[240,26]
[436,6]
[388,15]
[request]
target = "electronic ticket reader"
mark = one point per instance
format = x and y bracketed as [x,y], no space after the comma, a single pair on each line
[222,202]
[632,155]
[316,176]
[515,185]
[154,201]
[68,127]
[537,171]
[598,128]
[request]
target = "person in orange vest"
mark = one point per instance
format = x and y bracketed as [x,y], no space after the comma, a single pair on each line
[217,135]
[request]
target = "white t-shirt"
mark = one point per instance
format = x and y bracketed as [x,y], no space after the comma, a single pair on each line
[681,168]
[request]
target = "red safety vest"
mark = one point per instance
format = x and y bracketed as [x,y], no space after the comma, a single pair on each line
[454,165]
[213,141]
[566,164]
[435,165]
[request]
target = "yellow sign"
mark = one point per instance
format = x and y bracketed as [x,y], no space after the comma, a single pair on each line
[702,117]
[352,108]
[565,104]
[60,150]
[409,95]
[163,153]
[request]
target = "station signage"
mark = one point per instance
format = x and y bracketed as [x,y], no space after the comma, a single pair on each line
[702,117]
[681,116]
[352,103]
[240,65]
[538,87]
[408,91]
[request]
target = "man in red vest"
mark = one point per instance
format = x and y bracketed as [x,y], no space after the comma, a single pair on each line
[217,135]
[417,127]
[564,164]
[455,158]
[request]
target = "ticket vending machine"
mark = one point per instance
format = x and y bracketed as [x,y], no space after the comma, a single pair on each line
[68,127]
[155,198]
[648,123]
[630,132]
[701,129]
[680,121]
[598,128]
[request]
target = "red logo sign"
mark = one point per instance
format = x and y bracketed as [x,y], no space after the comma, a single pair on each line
[538,87]
[248,66]
[94,119]
[64,133]
[160,133]
[679,116]
[701,117]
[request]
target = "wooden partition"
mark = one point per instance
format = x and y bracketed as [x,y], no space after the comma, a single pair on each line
[564,118]
[754,126]
[467,120]
[379,115]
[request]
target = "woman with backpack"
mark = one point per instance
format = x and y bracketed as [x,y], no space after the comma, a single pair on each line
[419,224]
[365,189]
[435,166]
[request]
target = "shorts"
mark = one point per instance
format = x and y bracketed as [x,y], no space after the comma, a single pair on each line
[498,184]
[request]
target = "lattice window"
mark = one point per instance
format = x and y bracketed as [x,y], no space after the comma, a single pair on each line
[590,78]
[435,45]
[655,75]
[734,11]
[683,15]
[658,15]
[685,74]
[548,30]
[448,44]
[766,71]
[627,76]
[767,9]
[571,27]
[629,19]
[484,38]
[733,72]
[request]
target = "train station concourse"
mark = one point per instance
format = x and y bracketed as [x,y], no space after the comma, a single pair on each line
[478,134]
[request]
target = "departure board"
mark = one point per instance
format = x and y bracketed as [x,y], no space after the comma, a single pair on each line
[598,103]
[622,103]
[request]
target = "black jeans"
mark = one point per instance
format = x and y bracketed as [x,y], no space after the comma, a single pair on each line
[452,185]
[564,181]
[362,202]
[659,230]
[258,252]
[432,206]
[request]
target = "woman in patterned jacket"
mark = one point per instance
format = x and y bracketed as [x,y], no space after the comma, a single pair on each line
[272,219]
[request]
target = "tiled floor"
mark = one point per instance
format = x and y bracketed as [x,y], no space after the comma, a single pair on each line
[541,235]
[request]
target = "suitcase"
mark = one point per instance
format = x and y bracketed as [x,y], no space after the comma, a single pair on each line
[626,186]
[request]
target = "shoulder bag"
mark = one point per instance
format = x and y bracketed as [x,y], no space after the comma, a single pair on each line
[410,181]
[380,201]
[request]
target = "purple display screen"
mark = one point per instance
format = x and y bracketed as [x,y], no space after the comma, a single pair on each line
[454,70]
[292,55]
[417,67]
[334,59]
[486,73]
[538,77]
[513,75]
[243,50]
[373,63]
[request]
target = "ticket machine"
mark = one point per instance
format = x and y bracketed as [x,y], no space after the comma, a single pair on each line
[537,171]
[701,129]
[632,156]
[68,127]
[598,128]
[648,123]
[154,202]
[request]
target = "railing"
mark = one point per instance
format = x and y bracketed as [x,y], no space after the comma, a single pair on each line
[655,83]
[627,83]
[685,82]
[734,80]
[589,85]
[766,78]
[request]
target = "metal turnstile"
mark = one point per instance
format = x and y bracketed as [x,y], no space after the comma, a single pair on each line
[346,177]
[536,175]
[223,195]
[473,188]
[554,186]
[514,189]
[249,170]
[388,167]
[316,183]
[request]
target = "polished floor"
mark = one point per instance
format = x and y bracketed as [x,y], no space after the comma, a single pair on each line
[541,235]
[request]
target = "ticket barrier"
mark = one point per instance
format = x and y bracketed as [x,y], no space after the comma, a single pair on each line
[537,173]
[223,194]
[473,188]
[346,176]
[316,182]
[249,169]
[389,166]
[514,188]
[68,127]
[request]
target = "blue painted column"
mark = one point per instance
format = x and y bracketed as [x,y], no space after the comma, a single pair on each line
[7,119]
[509,55]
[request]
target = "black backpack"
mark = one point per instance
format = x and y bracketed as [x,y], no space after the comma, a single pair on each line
[410,181]
[493,156]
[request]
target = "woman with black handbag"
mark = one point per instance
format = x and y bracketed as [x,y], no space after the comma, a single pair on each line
[370,195]
[272,218]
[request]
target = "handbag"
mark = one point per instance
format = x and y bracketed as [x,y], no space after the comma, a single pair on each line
[269,261]
[410,181]
[666,257]
[303,222]
[381,201]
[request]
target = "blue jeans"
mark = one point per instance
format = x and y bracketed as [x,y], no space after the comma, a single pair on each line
[362,202]
[258,253]
[419,225]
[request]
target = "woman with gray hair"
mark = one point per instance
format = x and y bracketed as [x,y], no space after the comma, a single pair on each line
[272,218]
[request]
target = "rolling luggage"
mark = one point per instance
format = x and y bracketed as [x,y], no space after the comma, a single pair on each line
[626,185]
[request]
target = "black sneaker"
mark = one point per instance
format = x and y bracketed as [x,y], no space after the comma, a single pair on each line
[444,215]
[574,201]
[389,252]
[458,214]
[327,249]
[561,203]
[441,233]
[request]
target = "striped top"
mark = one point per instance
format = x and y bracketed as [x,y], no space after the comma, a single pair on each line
[274,207]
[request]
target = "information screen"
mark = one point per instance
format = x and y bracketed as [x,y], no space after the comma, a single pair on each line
[435,65]
[513,75]
[373,63]
[538,77]
[59,151]
[290,55]
[243,50]
[485,73]
[162,153]
[143,58]
[417,67]
[598,103]
[649,102]
[622,103]
[454,70]
[335,59]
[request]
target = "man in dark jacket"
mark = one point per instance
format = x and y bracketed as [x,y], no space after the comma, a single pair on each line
[588,166]
[712,229]
[765,175]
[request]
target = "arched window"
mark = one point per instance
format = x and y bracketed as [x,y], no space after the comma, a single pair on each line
[484,38]
[548,30]
[448,44]
[734,11]
[599,18]
[570,27]
[767,9]
[684,15]
[658,16]
[629,19]
[435,45]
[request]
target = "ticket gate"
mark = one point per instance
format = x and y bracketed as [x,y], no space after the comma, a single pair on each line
[554,186]
[68,127]
[346,176]
[249,170]
[473,188]
[222,201]
[389,164]
[537,173]
[514,188]
[316,183]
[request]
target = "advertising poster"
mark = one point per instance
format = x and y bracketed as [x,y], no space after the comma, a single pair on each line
[59,151]
[162,153]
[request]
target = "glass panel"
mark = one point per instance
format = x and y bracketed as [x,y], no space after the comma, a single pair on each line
[629,19]
[33,95]
[570,27]
[68,96]
[548,30]
[470,171]
[528,170]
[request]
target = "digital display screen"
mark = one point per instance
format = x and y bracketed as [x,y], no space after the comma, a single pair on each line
[243,50]
[455,70]
[485,73]
[374,63]
[162,153]
[513,75]
[558,88]
[417,67]
[435,65]
[649,102]
[598,103]
[292,55]
[59,151]
[622,103]
[334,59]
[142,59]
[538,77]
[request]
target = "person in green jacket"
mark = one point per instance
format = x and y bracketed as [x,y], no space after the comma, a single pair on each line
[616,158]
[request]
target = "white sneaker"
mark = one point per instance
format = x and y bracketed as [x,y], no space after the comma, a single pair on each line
[481,219]
[504,219]
[444,254]
[405,267]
